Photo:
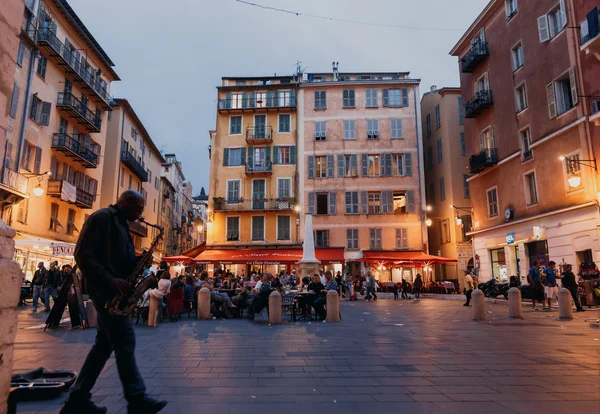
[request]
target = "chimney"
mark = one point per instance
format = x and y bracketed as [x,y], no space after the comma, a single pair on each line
[433,88]
[335,66]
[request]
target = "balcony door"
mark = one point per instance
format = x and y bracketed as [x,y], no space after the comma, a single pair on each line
[486,139]
[68,88]
[483,83]
[260,126]
[258,194]
[259,159]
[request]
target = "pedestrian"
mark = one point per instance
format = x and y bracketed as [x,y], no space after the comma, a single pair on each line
[404,289]
[106,257]
[569,283]
[370,287]
[535,284]
[51,285]
[395,290]
[418,285]
[550,285]
[469,286]
[38,282]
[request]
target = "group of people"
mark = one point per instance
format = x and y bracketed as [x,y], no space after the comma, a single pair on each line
[46,284]
[404,285]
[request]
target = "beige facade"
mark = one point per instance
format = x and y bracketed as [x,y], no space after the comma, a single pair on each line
[446,174]
[173,196]
[133,163]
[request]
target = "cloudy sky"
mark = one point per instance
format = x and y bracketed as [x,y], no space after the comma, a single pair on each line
[171,55]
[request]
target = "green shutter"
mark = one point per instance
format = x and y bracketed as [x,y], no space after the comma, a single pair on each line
[226,156]
[245,100]
[268,156]
[252,99]
[275,155]
[276,99]
[293,155]
[228,100]
[250,157]
[243,156]
[269,99]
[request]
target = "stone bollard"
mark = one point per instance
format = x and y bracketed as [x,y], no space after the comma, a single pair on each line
[154,311]
[91,314]
[588,287]
[204,304]
[565,308]
[333,306]
[515,306]
[478,299]
[275,308]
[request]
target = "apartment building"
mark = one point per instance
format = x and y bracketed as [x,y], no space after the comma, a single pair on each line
[361,168]
[53,156]
[446,187]
[132,163]
[172,180]
[524,82]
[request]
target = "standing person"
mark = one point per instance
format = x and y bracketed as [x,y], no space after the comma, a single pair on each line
[404,289]
[106,257]
[51,285]
[550,285]
[38,282]
[569,283]
[417,287]
[370,286]
[535,282]
[469,286]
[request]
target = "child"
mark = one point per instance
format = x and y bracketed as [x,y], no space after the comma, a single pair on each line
[395,290]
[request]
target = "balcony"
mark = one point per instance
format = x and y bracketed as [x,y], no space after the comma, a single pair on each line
[479,103]
[81,113]
[74,147]
[13,187]
[477,54]
[250,102]
[486,158]
[259,169]
[259,135]
[137,228]
[138,169]
[590,39]
[595,108]
[258,204]
[28,30]
[84,76]
[64,190]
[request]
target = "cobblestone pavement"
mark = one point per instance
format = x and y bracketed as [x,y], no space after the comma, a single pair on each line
[384,357]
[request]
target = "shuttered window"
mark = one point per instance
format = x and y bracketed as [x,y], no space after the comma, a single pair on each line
[352,239]
[375,239]
[396,129]
[402,239]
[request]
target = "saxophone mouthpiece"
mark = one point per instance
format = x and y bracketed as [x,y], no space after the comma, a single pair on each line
[142,220]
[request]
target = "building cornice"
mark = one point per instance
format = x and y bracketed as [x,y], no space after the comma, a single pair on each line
[469,33]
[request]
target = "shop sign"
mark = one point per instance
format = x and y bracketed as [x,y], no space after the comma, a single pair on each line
[63,250]
[510,238]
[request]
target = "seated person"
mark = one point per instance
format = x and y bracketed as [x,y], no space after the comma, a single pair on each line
[259,298]
[217,297]
[314,288]
[319,303]
[179,283]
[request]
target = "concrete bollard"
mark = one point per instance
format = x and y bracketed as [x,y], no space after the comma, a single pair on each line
[204,304]
[275,308]
[515,306]
[588,287]
[565,307]
[333,306]
[154,311]
[478,299]
[92,315]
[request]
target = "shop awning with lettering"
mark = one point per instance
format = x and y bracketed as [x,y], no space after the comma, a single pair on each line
[267,256]
[400,258]
[178,259]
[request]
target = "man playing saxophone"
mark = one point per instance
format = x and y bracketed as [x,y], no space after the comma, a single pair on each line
[106,257]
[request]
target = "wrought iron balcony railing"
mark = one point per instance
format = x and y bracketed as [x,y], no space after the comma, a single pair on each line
[134,165]
[264,168]
[259,133]
[259,203]
[74,147]
[476,55]
[484,159]
[14,180]
[78,110]
[479,103]
[250,101]
[82,198]
[138,229]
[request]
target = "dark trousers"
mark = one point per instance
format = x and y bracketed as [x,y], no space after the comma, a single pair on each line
[115,333]
[404,295]
[319,305]
[417,292]
[468,295]
[575,296]
[371,292]
[396,295]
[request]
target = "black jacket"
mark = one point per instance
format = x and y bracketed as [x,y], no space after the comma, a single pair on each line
[53,278]
[105,251]
[39,277]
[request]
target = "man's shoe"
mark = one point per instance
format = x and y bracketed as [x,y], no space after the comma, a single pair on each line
[145,406]
[75,406]
[466,304]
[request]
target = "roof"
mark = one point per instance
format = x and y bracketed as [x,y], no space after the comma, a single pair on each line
[256,77]
[125,103]
[406,81]
[361,73]
[70,14]
[469,33]
[176,163]
[443,91]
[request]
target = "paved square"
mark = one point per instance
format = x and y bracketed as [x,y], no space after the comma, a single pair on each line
[384,357]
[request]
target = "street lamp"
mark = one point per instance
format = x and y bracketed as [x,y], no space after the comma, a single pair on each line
[200,228]
[573,165]
[428,222]
[297,210]
[38,191]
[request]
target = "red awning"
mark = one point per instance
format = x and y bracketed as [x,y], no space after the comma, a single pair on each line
[267,256]
[178,259]
[399,258]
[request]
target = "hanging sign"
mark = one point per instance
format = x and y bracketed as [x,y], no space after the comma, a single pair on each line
[510,238]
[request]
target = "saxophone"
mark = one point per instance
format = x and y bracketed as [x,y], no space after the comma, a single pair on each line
[124,305]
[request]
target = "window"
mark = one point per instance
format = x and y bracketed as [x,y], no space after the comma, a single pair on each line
[402,239]
[285,155]
[347,165]
[373,165]
[23,211]
[486,139]
[284,228]
[322,204]
[483,83]
[284,187]
[396,128]
[40,111]
[233,228]
[134,134]
[71,228]
[321,166]
[466,190]
[511,8]
[371,98]
[352,202]
[154,208]
[428,122]
[234,157]
[284,123]
[551,24]
[32,158]
[322,238]
[463,144]
[517,57]
[21,54]
[442,189]
[492,199]
[374,200]
[461,111]
[521,98]
[527,152]
[41,67]
[320,130]
[395,97]
[375,239]
[438,119]
[14,100]
[130,181]
[562,94]
[233,191]
[440,154]
[430,158]
[348,99]
[402,165]
[235,125]
[372,128]
[445,231]
[352,239]
[155,182]
[531,189]
[258,228]
[320,99]
[122,183]
[350,129]
[54,223]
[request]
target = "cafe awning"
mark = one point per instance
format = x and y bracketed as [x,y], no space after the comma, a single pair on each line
[400,258]
[267,256]
[178,259]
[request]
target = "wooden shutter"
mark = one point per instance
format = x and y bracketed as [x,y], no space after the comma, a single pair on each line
[592,19]
[550,94]
[390,202]
[311,166]
[383,202]
[250,157]
[354,165]
[364,202]
[276,103]
[293,154]
[410,202]
[226,157]
[543,28]
[385,93]
[341,165]
[33,114]
[404,96]
[348,200]
[38,160]
[311,203]
[45,115]
[408,164]
[243,156]
[364,164]
[275,155]
[389,165]
[330,166]
[563,12]
[573,82]
[269,99]
[401,239]
[268,156]
[14,101]
[244,102]
[252,99]
[332,203]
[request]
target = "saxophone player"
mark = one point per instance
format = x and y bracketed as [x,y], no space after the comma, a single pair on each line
[106,256]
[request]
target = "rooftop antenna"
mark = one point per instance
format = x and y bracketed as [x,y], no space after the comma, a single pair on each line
[335,66]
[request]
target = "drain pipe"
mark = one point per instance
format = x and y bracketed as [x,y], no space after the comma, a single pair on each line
[26,104]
